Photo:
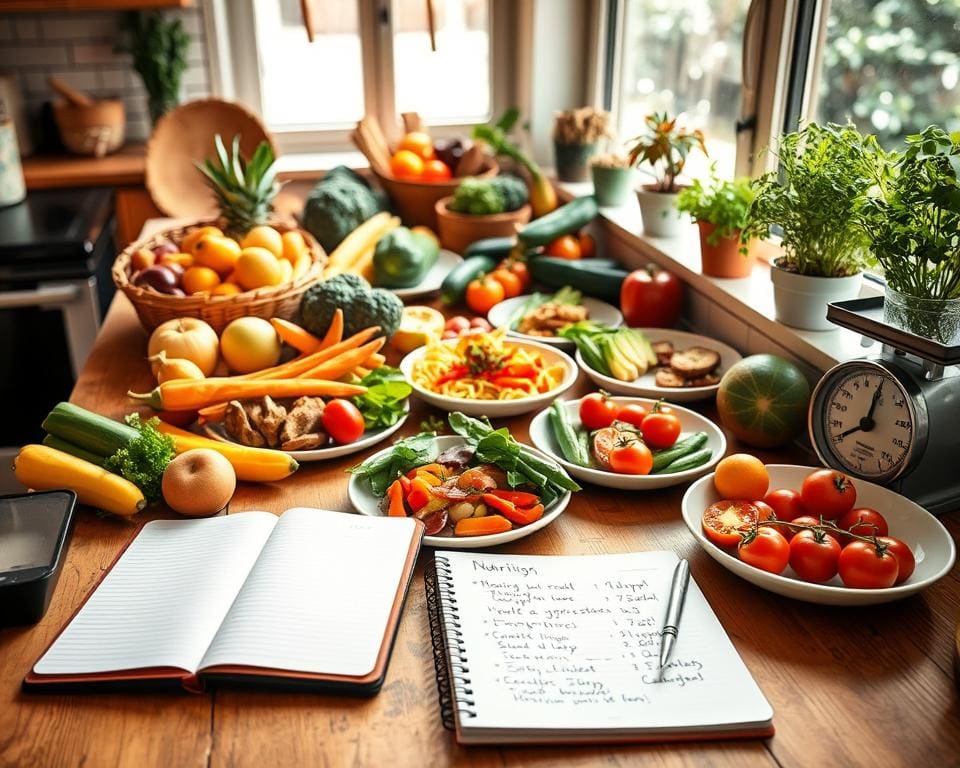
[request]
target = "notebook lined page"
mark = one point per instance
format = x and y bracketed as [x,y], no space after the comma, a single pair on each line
[573,643]
[161,604]
[319,598]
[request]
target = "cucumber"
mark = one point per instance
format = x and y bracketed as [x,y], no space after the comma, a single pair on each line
[563,221]
[52,441]
[592,354]
[90,431]
[455,283]
[597,280]
[495,247]
[661,459]
[690,461]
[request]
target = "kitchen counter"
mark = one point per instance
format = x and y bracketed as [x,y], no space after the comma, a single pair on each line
[123,168]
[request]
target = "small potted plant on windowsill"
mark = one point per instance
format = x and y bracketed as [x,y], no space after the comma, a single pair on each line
[914,229]
[720,210]
[576,135]
[823,178]
[664,147]
[612,179]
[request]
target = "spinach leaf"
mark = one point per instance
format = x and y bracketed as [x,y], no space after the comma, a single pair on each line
[406,454]
[383,404]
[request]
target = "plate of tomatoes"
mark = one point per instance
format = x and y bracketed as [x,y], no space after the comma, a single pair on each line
[816,534]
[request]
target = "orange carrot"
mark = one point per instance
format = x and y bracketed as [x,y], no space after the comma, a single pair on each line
[482,526]
[395,507]
[375,360]
[299,365]
[342,363]
[187,394]
[299,338]
[335,331]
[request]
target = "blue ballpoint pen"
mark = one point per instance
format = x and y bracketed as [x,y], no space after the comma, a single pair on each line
[678,592]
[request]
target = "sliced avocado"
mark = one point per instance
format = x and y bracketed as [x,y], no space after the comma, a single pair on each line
[631,352]
[643,343]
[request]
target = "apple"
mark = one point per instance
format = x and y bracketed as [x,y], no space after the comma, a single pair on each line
[198,483]
[249,344]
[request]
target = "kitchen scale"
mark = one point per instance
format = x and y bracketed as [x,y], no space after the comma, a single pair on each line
[892,418]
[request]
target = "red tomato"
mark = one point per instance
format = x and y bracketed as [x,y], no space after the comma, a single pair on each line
[564,247]
[864,522]
[597,411]
[512,286]
[828,494]
[343,421]
[864,565]
[480,322]
[651,298]
[633,413]
[631,459]
[765,512]
[660,430]
[802,520]
[483,293]
[588,248]
[767,550]
[786,503]
[436,170]
[814,556]
[723,521]
[520,269]
[904,555]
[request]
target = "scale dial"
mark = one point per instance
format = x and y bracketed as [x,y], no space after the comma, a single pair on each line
[863,420]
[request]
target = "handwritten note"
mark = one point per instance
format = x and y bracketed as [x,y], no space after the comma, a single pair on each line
[574,643]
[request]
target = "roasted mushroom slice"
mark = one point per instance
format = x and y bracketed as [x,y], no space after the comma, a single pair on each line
[304,417]
[273,417]
[237,424]
[305,442]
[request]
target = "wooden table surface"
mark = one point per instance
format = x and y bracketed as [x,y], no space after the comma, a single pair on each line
[871,686]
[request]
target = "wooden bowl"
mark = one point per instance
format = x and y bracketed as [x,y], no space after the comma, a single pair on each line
[416,200]
[458,230]
[184,137]
[97,129]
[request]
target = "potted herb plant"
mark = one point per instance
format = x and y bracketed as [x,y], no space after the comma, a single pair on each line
[914,227]
[612,178]
[576,134]
[814,198]
[159,50]
[720,210]
[665,148]
[482,208]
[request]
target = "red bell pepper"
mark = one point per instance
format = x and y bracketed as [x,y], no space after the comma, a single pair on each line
[419,494]
[457,372]
[405,484]
[519,498]
[512,512]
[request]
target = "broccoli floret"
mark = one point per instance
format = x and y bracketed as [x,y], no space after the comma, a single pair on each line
[338,204]
[362,306]
[477,197]
[513,191]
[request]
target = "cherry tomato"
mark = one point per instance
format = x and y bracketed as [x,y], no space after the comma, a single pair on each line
[786,504]
[419,143]
[631,459]
[864,565]
[660,430]
[483,293]
[564,247]
[457,323]
[828,494]
[651,298]
[520,269]
[436,170]
[802,520]
[480,322]
[767,550]
[588,248]
[511,283]
[724,521]
[597,411]
[343,421]
[814,556]
[406,165]
[904,555]
[864,522]
[633,413]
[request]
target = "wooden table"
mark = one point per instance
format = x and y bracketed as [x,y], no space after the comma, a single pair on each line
[871,686]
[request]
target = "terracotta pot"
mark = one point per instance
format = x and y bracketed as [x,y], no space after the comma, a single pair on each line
[723,259]
[458,230]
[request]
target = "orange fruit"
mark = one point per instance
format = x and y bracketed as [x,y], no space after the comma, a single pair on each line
[191,238]
[406,165]
[217,252]
[197,279]
[185,260]
[286,271]
[419,143]
[226,289]
[264,237]
[257,267]
[293,245]
[565,247]
[741,476]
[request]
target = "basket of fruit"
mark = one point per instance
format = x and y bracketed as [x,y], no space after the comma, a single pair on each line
[246,262]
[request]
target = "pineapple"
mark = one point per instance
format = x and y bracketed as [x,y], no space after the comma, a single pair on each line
[244,190]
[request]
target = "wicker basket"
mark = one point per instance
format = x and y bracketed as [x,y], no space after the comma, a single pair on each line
[154,308]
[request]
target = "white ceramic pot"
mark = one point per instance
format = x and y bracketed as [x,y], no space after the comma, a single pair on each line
[801,300]
[660,215]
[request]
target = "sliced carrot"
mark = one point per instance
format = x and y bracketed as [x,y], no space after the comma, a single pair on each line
[360,372]
[297,337]
[482,526]
[335,332]
[375,360]
[395,507]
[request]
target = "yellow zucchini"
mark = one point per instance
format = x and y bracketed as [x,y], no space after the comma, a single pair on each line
[43,469]
[365,236]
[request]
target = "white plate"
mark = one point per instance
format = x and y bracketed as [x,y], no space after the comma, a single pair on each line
[541,435]
[495,409]
[367,504]
[216,431]
[932,545]
[646,385]
[433,279]
[599,312]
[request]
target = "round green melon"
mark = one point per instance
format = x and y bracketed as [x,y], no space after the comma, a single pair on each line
[763,400]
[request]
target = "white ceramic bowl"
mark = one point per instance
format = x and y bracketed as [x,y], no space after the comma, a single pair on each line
[432,281]
[646,385]
[541,435]
[599,311]
[495,409]
[932,545]
[367,504]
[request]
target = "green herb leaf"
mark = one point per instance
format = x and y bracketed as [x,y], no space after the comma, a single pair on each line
[143,460]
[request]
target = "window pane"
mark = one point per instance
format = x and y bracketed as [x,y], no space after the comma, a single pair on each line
[683,57]
[303,84]
[892,66]
[451,84]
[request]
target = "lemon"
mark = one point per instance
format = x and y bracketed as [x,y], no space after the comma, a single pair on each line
[249,344]
[256,268]
[264,237]
[418,326]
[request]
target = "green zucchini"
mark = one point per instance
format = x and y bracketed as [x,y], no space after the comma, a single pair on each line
[455,283]
[564,220]
[690,461]
[52,441]
[90,431]
[564,433]
[661,459]
[597,280]
[495,247]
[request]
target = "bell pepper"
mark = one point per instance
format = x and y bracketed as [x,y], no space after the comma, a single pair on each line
[419,494]
[519,498]
[455,373]
[513,513]
[405,484]
[395,506]
[433,469]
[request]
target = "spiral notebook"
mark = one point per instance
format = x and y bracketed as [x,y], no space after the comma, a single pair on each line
[551,649]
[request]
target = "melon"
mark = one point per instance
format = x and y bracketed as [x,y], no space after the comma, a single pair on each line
[763,401]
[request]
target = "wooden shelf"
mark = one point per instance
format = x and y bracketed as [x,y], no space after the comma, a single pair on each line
[123,168]
[34,6]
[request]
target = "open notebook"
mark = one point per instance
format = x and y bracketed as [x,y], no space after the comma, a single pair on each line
[309,599]
[535,649]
